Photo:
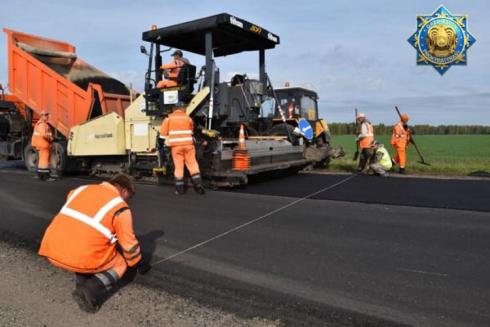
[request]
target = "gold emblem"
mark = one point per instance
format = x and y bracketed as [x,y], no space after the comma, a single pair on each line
[441,41]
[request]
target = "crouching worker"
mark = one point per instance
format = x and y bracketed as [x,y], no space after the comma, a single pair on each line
[177,130]
[381,161]
[93,237]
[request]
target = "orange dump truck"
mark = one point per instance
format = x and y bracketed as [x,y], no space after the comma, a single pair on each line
[47,75]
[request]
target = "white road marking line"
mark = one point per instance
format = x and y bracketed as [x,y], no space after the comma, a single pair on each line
[253,221]
[423,272]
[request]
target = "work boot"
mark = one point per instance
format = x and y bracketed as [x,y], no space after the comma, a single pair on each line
[179,187]
[85,300]
[90,294]
[197,183]
[49,178]
[402,171]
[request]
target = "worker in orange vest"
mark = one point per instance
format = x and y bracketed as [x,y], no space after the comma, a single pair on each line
[83,237]
[177,131]
[41,141]
[400,139]
[172,70]
[365,139]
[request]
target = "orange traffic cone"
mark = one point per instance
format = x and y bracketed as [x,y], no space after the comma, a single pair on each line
[241,139]
[241,159]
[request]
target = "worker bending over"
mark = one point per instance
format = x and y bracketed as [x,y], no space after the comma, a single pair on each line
[365,140]
[380,161]
[85,235]
[41,141]
[400,139]
[177,130]
[172,69]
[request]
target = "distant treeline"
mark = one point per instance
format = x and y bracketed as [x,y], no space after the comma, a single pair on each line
[382,129]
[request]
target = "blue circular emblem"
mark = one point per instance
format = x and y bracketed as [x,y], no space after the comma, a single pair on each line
[441,40]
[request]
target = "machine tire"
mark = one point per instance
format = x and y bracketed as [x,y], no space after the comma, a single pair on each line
[30,158]
[320,142]
[284,130]
[58,159]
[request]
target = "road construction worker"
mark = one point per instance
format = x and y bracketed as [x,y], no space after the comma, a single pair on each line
[41,141]
[92,236]
[380,161]
[177,130]
[172,70]
[400,139]
[292,109]
[365,139]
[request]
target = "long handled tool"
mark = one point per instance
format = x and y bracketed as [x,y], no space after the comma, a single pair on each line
[356,154]
[412,140]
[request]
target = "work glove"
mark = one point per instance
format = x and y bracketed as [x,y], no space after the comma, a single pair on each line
[143,267]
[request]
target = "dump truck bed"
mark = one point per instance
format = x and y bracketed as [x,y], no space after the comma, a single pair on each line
[47,75]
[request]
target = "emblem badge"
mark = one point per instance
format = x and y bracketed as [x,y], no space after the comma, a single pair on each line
[441,40]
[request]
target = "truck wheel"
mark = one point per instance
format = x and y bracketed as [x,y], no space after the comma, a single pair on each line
[284,130]
[30,158]
[58,159]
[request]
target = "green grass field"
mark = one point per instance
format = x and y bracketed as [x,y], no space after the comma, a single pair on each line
[447,154]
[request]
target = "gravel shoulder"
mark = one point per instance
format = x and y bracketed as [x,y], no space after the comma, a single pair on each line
[36,294]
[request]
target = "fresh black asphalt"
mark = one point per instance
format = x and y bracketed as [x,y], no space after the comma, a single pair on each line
[418,192]
[371,251]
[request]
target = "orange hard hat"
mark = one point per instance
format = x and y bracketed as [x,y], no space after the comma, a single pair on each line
[405,118]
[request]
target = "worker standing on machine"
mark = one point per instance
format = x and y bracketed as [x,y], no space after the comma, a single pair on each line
[82,239]
[177,130]
[400,139]
[41,141]
[365,139]
[172,70]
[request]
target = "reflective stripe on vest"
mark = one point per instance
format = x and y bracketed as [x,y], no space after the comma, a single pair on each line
[187,131]
[94,221]
[180,139]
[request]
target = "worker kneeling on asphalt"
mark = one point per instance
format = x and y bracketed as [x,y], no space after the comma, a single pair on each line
[85,235]
[400,139]
[380,161]
[177,130]
[41,141]
[365,139]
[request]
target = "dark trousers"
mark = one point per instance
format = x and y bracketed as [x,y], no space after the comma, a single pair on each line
[99,285]
[365,158]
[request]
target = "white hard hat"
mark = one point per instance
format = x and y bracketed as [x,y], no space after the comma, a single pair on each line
[361,115]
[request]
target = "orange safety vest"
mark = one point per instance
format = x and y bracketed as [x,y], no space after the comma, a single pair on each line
[177,129]
[81,237]
[400,136]
[368,137]
[41,137]
[174,68]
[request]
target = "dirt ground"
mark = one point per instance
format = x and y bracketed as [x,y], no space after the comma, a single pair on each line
[36,294]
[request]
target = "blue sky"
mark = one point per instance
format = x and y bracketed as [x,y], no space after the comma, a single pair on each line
[353,53]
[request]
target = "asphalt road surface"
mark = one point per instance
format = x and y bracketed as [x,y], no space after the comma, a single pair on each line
[370,251]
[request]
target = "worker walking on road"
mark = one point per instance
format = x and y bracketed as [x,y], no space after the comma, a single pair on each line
[400,139]
[365,140]
[172,70]
[82,239]
[41,141]
[177,130]
[380,161]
